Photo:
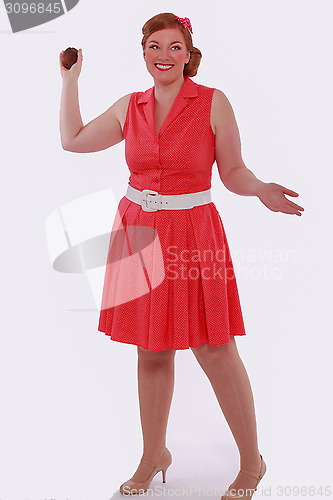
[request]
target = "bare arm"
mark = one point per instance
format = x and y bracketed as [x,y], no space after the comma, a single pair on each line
[101,132]
[233,172]
[70,116]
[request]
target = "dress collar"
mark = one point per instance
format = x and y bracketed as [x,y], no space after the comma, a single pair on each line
[189,89]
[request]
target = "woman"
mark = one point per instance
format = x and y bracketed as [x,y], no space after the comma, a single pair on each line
[174,132]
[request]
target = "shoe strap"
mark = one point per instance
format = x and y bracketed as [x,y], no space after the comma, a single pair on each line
[257,475]
[250,473]
[144,461]
[148,463]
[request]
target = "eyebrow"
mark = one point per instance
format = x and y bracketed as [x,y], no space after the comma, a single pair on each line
[170,43]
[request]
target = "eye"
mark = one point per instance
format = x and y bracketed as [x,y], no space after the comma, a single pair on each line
[174,47]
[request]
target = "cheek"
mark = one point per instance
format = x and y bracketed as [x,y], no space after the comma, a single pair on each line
[150,57]
[179,56]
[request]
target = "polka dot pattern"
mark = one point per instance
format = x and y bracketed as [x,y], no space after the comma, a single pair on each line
[169,279]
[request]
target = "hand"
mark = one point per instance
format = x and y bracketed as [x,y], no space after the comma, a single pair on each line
[272,196]
[75,70]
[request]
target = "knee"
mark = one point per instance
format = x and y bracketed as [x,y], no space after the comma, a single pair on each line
[163,357]
[211,354]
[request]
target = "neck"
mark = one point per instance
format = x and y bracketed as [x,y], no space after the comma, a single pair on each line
[167,91]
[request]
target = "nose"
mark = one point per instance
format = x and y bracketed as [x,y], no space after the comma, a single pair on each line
[163,55]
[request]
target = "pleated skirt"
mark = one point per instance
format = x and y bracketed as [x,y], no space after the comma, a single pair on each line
[169,279]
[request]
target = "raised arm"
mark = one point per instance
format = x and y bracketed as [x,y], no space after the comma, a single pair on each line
[101,132]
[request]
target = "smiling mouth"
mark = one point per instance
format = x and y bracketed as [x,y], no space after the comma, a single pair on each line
[163,67]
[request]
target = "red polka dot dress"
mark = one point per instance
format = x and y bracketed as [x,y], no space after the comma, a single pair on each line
[169,280]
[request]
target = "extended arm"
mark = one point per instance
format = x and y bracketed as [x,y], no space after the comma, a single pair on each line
[233,172]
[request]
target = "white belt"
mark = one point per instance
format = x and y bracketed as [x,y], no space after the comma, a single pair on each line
[151,201]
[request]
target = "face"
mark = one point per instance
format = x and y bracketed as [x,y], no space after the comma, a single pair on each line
[166,47]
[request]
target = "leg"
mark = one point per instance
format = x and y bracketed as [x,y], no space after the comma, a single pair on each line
[226,372]
[155,385]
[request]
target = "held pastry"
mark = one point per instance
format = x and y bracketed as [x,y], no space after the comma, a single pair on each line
[69,57]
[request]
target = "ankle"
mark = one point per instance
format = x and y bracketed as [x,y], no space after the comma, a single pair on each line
[153,455]
[251,463]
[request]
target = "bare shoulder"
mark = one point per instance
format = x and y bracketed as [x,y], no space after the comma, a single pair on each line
[221,110]
[220,99]
[119,109]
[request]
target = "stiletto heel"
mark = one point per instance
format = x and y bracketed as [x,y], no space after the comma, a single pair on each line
[131,487]
[258,475]
[163,474]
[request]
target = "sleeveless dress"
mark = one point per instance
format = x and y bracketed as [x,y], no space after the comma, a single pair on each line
[169,280]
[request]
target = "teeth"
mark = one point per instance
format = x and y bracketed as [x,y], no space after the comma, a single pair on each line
[163,66]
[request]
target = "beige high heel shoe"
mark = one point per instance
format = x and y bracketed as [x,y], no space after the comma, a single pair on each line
[257,475]
[133,488]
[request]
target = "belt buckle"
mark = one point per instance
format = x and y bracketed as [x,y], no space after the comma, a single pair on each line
[145,193]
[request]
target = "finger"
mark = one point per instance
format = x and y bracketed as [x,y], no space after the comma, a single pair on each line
[291,204]
[290,212]
[79,57]
[288,209]
[289,191]
[61,58]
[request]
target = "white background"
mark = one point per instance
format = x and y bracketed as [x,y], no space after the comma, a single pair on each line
[69,420]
